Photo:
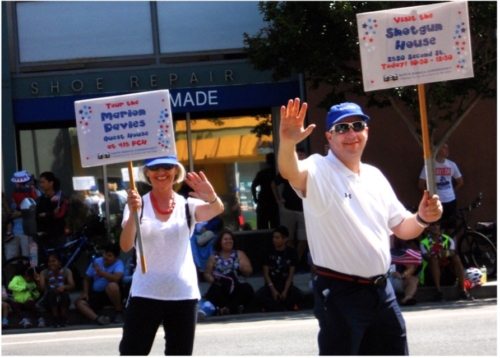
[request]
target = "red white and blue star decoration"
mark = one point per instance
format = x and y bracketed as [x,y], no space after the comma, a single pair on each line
[164,130]
[369,31]
[84,119]
[460,45]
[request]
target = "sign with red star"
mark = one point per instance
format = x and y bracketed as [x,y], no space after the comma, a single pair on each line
[124,128]
[415,45]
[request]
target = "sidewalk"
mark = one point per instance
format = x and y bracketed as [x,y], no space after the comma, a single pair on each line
[424,294]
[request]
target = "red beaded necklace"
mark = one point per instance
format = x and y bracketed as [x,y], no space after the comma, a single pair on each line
[157,208]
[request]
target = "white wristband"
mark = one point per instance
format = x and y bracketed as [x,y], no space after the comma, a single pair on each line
[420,222]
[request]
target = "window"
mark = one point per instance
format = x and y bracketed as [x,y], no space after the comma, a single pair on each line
[204,26]
[67,30]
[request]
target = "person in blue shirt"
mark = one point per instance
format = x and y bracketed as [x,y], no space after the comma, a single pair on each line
[101,286]
[202,241]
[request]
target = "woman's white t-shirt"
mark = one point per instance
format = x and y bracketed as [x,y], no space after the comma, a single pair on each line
[171,272]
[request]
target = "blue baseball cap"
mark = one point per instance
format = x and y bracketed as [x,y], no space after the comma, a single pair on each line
[341,111]
[169,159]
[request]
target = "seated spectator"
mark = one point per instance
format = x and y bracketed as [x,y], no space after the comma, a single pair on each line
[441,262]
[203,240]
[101,287]
[26,288]
[57,282]
[227,291]
[5,308]
[404,282]
[279,293]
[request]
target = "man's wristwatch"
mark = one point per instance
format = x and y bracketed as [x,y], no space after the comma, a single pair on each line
[421,222]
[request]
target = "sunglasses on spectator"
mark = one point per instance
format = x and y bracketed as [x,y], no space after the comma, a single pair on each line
[157,167]
[342,128]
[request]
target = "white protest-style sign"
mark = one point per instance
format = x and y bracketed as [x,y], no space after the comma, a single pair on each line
[415,45]
[124,128]
[126,175]
[83,183]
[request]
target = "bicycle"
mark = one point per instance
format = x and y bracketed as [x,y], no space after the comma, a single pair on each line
[75,254]
[473,248]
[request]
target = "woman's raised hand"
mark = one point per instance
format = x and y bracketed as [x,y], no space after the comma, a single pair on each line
[202,188]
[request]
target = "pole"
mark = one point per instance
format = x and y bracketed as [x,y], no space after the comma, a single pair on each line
[428,160]
[137,221]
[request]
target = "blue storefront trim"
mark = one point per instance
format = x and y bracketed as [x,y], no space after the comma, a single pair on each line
[50,109]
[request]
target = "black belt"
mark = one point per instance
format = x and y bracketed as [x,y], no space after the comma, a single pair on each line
[379,280]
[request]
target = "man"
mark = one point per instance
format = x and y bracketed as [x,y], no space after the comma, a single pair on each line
[441,262]
[51,213]
[292,213]
[104,274]
[350,211]
[279,293]
[267,207]
[448,181]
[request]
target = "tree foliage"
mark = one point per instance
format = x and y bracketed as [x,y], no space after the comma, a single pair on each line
[320,40]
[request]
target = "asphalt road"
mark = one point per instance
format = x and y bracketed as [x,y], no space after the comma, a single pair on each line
[450,329]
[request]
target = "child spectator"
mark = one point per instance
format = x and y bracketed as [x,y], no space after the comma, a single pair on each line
[101,286]
[57,282]
[16,240]
[279,293]
[5,308]
[441,262]
[26,288]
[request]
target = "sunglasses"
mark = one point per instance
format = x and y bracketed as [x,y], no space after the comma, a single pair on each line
[344,127]
[157,167]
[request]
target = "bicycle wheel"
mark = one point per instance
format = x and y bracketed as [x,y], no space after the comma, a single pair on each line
[477,250]
[484,253]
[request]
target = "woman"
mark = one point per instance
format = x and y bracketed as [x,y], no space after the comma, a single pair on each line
[227,292]
[168,291]
[57,282]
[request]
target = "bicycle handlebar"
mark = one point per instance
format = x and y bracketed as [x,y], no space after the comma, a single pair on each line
[475,204]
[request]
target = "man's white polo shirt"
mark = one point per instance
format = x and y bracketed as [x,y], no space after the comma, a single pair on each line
[349,216]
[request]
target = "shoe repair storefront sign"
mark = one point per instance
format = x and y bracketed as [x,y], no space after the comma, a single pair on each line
[412,45]
[41,98]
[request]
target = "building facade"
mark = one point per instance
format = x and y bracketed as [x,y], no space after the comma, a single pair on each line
[55,53]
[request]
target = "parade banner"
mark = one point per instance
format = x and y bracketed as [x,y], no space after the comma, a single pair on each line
[124,128]
[414,45]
